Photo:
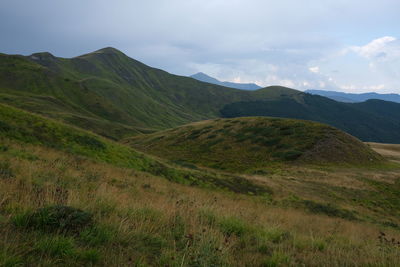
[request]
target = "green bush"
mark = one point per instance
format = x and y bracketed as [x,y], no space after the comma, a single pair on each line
[233,226]
[55,219]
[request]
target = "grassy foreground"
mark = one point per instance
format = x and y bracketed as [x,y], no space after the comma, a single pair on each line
[143,220]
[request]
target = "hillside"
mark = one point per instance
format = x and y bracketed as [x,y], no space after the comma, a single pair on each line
[254,144]
[115,96]
[374,120]
[26,128]
[243,86]
[69,197]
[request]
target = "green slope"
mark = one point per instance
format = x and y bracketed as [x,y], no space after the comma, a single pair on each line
[26,128]
[116,96]
[253,144]
[370,121]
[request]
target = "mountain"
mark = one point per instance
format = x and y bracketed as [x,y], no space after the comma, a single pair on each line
[372,120]
[255,143]
[243,86]
[115,96]
[352,98]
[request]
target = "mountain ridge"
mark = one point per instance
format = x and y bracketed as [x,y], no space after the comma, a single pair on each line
[200,76]
[355,98]
[113,95]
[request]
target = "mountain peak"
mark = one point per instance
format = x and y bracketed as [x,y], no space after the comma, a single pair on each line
[108,50]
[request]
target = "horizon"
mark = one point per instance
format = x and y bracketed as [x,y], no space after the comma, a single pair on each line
[333,46]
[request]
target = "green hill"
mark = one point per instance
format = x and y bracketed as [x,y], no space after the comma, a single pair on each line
[251,144]
[116,96]
[374,120]
[26,128]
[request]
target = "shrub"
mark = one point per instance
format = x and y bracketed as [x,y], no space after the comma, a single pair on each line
[233,226]
[89,141]
[55,219]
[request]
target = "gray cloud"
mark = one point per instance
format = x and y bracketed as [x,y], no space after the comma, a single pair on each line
[269,42]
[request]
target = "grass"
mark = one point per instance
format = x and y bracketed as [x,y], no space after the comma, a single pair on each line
[27,128]
[251,144]
[142,219]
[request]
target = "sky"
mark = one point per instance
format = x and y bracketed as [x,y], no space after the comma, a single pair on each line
[342,45]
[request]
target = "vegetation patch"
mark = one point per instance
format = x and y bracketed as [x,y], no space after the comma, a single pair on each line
[55,219]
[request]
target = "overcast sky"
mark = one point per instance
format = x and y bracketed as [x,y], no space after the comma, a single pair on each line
[344,45]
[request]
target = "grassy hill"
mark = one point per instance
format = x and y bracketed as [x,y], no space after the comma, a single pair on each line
[26,128]
[115,96]
[253,144]
[69,197]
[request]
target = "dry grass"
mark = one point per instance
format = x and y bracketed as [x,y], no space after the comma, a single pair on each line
[390,151]
[146,220]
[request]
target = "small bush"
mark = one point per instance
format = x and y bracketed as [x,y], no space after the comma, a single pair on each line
[233,226]
[89,141]
[55,219]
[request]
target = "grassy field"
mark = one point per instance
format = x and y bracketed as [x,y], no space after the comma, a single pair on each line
[256,144]
[69,197]
[139,219]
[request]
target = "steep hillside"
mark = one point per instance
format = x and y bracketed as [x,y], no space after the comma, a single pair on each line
[250,144]
[116,96]
[374,120]
[108,90]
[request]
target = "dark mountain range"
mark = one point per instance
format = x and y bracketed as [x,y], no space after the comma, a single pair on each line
[243,86]
[353,98]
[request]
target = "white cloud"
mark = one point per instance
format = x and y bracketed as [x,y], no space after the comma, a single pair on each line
[379,49]
[314,69]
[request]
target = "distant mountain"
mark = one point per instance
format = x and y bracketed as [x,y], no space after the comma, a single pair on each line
[116,96]
[243,86]
[354,98]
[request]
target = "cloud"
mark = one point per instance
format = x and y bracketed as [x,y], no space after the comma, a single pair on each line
[314,46]
[379,49]
[314,69]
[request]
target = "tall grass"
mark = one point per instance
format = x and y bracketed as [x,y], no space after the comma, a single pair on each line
[144,220]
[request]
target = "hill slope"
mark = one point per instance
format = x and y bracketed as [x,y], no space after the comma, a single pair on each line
[243,86]
[373,120]
[247,144]
[26,128]
[116,96]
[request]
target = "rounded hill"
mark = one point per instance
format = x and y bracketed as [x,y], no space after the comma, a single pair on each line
[254,143]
